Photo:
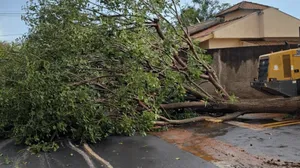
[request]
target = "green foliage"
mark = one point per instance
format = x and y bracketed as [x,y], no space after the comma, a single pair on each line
[129,125]
[7,161]
[4,48]
[202,10]
[71,41]
[45,146]
[183,114]
[233,99]
[40,106]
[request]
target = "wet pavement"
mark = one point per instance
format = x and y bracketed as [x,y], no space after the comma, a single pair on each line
[147,152]
[201,145]
[13,156]
[281,143]
[121,152]
[226,145]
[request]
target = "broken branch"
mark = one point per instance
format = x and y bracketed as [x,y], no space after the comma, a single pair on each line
[197,119]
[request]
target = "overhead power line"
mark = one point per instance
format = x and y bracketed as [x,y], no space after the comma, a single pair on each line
[4,14]
[12,13]
[6,35]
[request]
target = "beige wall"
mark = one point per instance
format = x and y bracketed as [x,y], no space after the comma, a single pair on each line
[204,44]
[279,24]
[246,44]
[247,27]
[224,43]
[268,24]
[261,24]
[237,14]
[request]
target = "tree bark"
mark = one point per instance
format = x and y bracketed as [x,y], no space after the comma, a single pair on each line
[197,119]
[96,156]
[281,105]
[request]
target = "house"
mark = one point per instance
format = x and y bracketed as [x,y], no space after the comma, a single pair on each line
[247,24]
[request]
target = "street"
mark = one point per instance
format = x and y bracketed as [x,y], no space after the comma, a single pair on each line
[228,145]
[241,143]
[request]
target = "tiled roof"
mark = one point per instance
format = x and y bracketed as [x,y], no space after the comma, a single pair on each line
[244,5]
[213,28]
[202,26]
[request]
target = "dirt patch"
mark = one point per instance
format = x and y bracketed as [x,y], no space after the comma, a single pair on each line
[218,152]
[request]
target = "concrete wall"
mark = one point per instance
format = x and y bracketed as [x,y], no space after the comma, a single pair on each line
[279,24]
[236,68]
[237,14]
[223,43]
[270,23]
[261,21]
[247,27]
[205,44]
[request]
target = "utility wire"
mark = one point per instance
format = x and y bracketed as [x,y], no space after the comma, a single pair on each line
[14,13]
[11,14]
[6,35]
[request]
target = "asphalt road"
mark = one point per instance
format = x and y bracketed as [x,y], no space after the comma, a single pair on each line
[201,145]
[121,152]
[226,145]
[147,152]
[282,143]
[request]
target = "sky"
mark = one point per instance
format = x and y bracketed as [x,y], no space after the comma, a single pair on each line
[12,27]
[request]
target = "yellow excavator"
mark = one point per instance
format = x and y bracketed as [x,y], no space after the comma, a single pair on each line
[279,73]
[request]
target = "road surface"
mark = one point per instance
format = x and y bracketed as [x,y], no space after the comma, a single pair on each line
[228,145]
[121,152]
[258,143]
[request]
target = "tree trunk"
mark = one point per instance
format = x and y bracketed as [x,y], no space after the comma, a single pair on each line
[278,105]
[197,119]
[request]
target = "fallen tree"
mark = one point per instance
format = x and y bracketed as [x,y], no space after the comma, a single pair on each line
[282,105]
[197,119]
[88,69]
[233,109]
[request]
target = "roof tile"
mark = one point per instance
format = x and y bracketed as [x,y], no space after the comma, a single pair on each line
[213,28]
[204,25]
[244,5]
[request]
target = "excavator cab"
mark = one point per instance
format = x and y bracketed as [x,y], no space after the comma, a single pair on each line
[278,73]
